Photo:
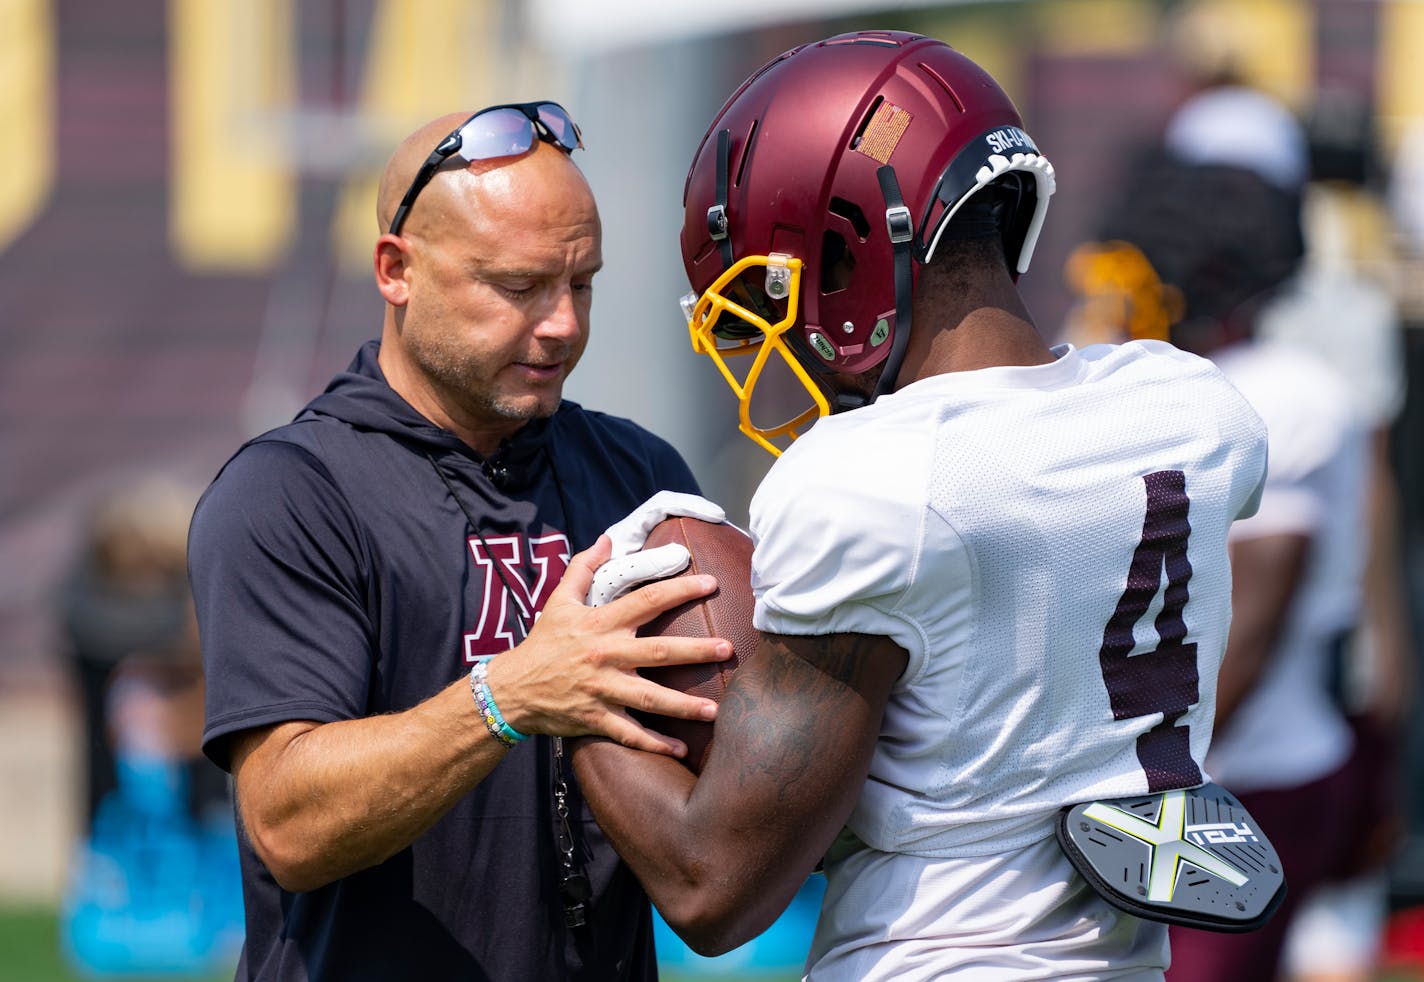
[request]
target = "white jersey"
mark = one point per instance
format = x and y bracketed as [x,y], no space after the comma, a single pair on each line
[1048,544]
[1289,729]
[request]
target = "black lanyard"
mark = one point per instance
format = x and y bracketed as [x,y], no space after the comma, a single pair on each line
[574,888]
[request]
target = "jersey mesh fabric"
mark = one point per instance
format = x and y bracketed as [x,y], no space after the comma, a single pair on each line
[1012,917]
[988,524]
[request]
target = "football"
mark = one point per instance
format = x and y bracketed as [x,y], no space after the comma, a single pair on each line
[724,551]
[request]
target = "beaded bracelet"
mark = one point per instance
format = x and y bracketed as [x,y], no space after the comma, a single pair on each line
[489,711]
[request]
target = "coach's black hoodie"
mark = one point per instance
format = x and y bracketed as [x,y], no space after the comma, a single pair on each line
[337,576]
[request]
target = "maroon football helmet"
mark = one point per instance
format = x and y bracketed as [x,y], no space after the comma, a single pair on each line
[820,188]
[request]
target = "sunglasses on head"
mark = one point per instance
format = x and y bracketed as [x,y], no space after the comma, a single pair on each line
[496,131]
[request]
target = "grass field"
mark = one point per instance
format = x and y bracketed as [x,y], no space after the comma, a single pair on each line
[30,951]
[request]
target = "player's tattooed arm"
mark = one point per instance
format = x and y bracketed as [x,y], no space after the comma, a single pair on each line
[723,854]
[821,677]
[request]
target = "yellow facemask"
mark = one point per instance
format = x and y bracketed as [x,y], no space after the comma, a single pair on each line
[783,282]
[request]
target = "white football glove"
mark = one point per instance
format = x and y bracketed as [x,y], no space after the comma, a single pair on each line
[630,566]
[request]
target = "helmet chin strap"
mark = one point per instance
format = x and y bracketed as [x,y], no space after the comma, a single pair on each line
[902,234]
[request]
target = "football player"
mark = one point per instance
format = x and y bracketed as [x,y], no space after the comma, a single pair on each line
[991,574]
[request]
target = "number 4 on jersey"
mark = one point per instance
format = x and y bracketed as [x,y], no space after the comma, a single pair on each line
[1163,680]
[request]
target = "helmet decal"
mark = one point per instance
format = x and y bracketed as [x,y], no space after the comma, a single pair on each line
[882,133]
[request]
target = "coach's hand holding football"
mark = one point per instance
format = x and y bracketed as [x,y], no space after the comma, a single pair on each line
[391,597]
[308,797]
[577,673]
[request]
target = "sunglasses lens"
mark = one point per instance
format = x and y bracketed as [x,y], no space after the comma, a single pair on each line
[560,125]
[498,133]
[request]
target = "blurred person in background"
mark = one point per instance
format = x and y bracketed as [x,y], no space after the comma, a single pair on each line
[127,617]
[1405,200]
[1216,215]
[1339,305]
[152,881]
[392,622]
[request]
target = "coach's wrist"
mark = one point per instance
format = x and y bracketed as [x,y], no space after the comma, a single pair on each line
[488,707]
